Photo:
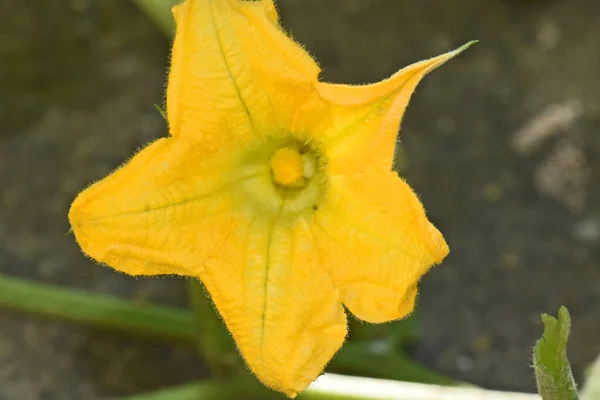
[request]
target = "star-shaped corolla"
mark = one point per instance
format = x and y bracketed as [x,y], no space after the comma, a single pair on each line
[275,189]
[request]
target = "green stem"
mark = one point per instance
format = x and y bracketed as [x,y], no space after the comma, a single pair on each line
[98,310]
[213,339]
[180,325]
[355,358]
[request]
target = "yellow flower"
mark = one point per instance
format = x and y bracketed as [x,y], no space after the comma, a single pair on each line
[275,189]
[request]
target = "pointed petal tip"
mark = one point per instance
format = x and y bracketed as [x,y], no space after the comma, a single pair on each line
[76,218]
[74,213]
[438,246]
[463,47]
[79,213]
[443,252]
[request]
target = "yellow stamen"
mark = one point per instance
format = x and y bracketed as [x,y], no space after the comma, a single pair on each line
[287,165]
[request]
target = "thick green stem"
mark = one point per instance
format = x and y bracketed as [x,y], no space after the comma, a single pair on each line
[356,358]
[98,310]
[203,328]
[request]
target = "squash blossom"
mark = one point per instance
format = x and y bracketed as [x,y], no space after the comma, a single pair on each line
[274,189]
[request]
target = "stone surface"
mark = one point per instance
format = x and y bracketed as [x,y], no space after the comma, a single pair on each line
[78,83]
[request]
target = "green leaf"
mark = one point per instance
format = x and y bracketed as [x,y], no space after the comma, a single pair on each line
[552,369]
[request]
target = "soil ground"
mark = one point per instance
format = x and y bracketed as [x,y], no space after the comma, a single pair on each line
[503,147]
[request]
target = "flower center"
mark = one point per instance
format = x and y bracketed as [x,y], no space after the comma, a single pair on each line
[291,167]
[287,176]
[287,166]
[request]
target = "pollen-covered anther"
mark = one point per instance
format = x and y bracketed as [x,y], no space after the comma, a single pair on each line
[288,167]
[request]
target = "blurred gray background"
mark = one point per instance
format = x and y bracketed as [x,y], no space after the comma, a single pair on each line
[503,147]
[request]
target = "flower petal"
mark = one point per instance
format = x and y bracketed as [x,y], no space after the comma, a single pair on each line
[235,76]
[280,305]
[373,236]
[263,6]
[358,125]
[164,212]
